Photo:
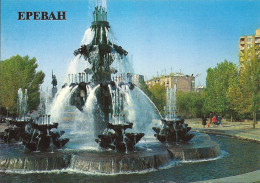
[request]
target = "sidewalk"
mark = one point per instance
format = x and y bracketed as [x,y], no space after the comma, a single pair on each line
[242,130]
[247,177]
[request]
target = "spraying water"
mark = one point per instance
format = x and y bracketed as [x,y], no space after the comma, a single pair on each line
[171,103]
[60,102]
[88,36]
[22,104]
[99,88]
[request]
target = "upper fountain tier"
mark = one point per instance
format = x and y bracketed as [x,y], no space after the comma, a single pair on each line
[100,52]
[100,17]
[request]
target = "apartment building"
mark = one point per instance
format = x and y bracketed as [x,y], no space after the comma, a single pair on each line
[247,42]
[184,82]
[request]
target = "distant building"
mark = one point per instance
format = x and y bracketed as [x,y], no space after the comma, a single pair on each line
[184,83]
[246,42]
[137,79]
[199,89]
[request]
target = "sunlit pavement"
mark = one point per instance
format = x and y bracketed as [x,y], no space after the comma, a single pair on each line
[242,130]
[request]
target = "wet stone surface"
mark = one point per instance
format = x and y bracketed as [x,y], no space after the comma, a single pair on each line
[153,155]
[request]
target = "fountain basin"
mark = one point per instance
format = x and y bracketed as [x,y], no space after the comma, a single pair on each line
[152,155]
[113,162]
[37,161]
[200,147]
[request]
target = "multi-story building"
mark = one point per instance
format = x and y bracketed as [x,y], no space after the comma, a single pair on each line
[184,83]
[199,89]
[247,42]
[137,79]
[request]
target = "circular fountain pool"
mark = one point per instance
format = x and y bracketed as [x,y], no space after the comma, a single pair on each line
[147,155]
[235,159]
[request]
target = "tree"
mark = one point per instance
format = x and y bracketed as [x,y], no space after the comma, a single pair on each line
[236,98]
[19,72]
[217,83]
[190,104]
[145,89]
[244,93]
[158,96]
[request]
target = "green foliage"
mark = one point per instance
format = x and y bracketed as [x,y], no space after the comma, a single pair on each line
[235,97]
[244,93]
[158,96]
[190,104]
[19,72]
[145,89]
[218,81]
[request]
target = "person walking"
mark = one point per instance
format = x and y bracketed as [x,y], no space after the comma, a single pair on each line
[219,120]
[214,120]
[204,121]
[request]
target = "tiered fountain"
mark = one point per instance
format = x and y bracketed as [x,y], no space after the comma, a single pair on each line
[35,135]
[174,129]
[108,116]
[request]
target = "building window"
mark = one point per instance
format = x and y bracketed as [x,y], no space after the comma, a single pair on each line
[249,39]
[249,46]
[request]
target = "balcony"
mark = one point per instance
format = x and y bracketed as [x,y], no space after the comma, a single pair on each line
[242,42]
[242,48]
[241,54]
[257,41]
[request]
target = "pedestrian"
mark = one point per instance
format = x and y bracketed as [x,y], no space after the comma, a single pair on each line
[219,120]
[204,121]
[214,120]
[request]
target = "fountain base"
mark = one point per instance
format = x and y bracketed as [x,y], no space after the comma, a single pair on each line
[200,147]
[111,162]
[152,155]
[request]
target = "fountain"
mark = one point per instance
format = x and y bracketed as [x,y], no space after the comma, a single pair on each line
[174,129]
[34,135]
[107,118]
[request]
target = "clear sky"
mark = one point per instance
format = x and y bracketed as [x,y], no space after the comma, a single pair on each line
[185,35]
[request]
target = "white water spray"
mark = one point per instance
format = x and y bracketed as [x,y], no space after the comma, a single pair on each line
[88,37]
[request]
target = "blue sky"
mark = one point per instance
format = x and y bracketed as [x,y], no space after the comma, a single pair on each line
[186,35]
